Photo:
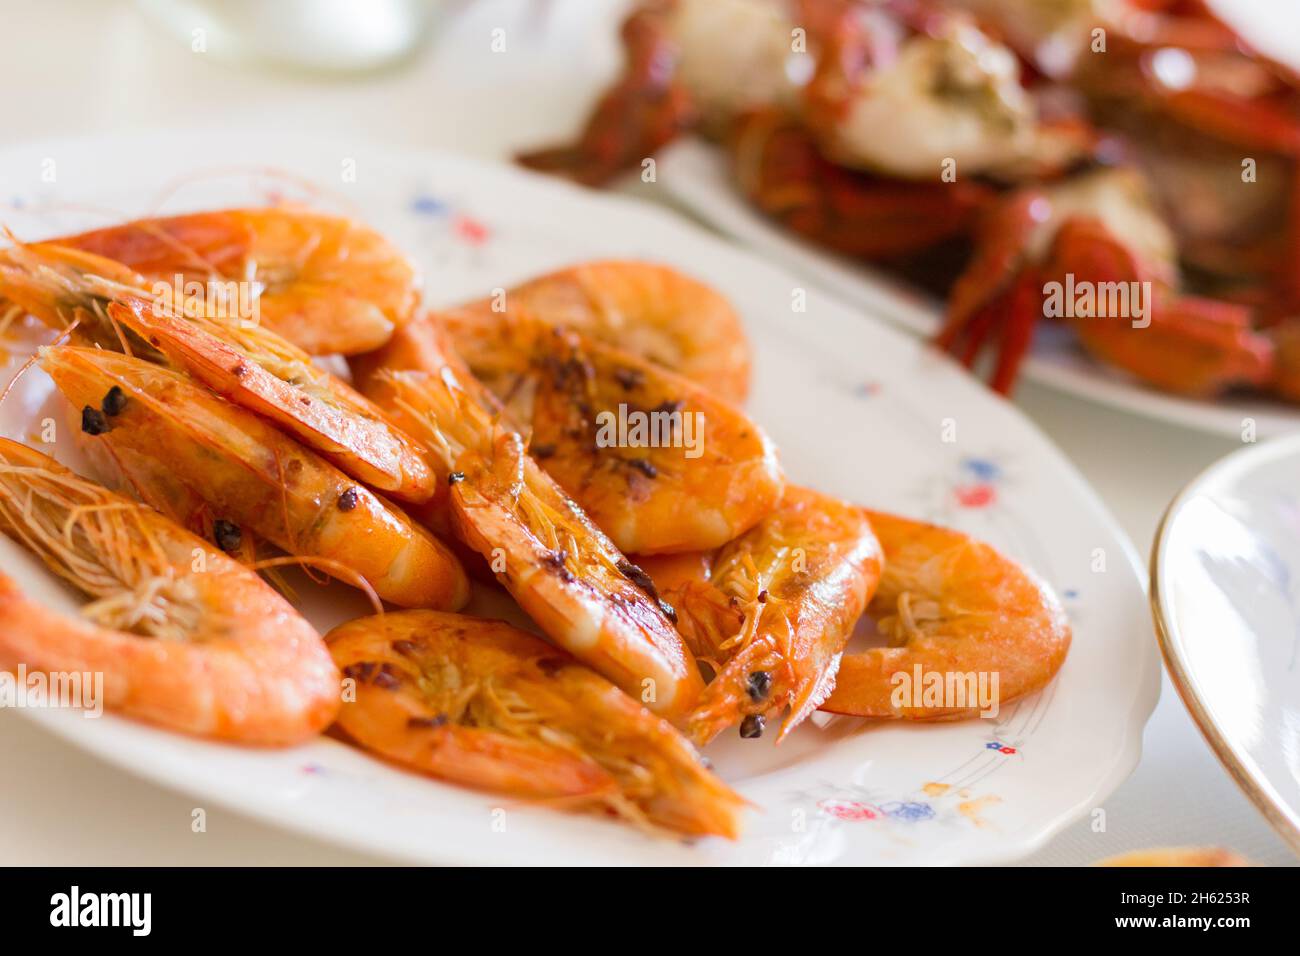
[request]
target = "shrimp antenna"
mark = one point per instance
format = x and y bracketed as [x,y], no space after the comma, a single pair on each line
[337,568]
[31,359]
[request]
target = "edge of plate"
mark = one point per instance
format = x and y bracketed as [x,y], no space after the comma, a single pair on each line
[1174,664]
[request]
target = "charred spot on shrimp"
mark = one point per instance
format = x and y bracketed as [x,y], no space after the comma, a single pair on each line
[426,723]
[557,561]
[348,500]
[643,465]
[669,611]
[550,666]
[637,576]
[227,535]
[93,421]
[629,378]
[384,676]
[114,402]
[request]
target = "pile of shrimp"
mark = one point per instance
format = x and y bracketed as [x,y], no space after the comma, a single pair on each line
[675,588]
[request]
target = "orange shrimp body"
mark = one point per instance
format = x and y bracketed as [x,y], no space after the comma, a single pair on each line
[139,476]
[952,606]
[776,611]
[251,365]
[570,578]
[486,705]
[260,371]
[213,651]
[652,311]
[253,475]
[327,284]
[657,461]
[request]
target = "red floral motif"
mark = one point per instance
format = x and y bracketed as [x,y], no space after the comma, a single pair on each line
[470,230]
[849,810]
[975,496]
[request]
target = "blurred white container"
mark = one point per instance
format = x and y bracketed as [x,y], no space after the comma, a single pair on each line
[320,35]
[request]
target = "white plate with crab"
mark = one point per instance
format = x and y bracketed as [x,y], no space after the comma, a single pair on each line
[857,409]
[694,176]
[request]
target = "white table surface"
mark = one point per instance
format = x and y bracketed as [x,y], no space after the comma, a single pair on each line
[81,66]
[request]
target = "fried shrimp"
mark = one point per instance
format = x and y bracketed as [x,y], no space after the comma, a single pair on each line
[570,578]
[264,373]
[775,612]
[249,364]
[327,284]
[657,461]
[214,652]
[146,479]
[486,705]
[652,311]
[952,606]
[252,475]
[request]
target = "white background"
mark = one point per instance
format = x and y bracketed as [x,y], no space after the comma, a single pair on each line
[80,66]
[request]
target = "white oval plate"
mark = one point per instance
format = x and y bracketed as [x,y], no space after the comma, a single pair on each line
[694,175]
[1225,593]
[857,409]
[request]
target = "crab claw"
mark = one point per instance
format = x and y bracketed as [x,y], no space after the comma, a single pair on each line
[644,111]
[781,169]
[1182,344]
[1056,253]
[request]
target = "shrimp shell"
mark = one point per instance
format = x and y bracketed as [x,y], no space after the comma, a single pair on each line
[951,605]
[652,311]
[213,651]
[253,475]
[325,283]
[483,704]
[572,580]
[708,475]
[776,611]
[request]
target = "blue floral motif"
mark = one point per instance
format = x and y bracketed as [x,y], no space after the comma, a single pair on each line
[982,469]
[913,811]
[428,206]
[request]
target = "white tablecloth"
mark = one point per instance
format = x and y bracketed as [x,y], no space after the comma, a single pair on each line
[79,66]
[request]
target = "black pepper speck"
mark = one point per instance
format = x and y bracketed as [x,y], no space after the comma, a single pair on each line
[114,402]
[759,685]
[227,535]
[93,421]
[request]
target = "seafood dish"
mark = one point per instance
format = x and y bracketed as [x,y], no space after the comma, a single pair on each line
[575,444]
[1129,169]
